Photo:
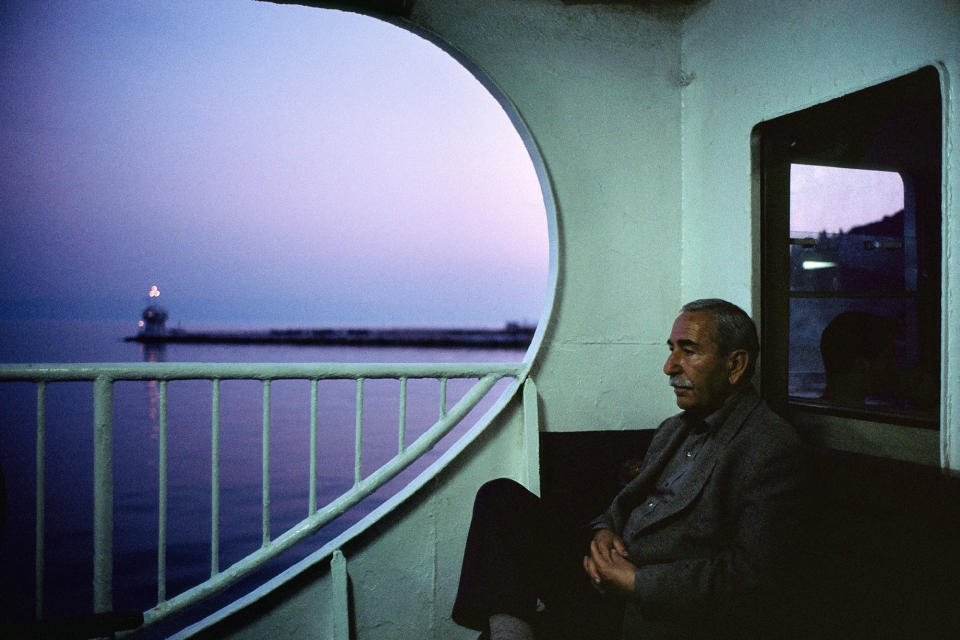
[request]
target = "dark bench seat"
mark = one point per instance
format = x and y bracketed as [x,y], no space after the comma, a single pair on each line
[882,551]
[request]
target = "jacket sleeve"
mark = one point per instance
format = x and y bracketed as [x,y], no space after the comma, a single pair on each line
[604,521]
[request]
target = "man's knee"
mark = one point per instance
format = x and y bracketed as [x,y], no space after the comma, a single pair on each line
[503,495]
[502,489]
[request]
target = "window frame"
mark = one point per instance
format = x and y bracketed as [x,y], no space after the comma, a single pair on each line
[861,130]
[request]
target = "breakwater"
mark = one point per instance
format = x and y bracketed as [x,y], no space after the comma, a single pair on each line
[511,336]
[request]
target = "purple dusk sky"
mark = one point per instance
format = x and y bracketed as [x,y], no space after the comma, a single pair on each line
[833,199]
[260,163]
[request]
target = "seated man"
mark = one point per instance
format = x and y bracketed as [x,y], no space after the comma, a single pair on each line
[693,546]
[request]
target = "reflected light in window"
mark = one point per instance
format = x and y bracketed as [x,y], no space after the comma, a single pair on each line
[810,265]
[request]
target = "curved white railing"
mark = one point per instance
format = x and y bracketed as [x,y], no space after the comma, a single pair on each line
[103,377]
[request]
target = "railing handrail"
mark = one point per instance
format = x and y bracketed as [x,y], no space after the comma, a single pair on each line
[104,375]
[134,371]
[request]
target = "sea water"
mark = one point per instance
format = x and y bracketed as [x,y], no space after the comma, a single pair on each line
[68,494]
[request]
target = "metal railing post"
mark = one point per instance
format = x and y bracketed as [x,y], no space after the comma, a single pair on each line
[358,436]
[341,596]
[41,497]
[102,494]
[266,462]
[162,498]
[402,435]
[312,508]
[531,436]
[443,397]
[215,480]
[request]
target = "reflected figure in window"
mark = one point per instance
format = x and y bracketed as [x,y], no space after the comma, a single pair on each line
[858,358]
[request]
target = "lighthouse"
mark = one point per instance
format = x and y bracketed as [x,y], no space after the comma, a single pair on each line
[154,317]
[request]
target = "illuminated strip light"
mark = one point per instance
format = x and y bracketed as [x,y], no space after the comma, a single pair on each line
[810,265]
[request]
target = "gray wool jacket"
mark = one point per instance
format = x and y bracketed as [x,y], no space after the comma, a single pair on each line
[707,559]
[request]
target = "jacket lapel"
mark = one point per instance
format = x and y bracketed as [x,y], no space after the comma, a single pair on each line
[711,453]
[669,438]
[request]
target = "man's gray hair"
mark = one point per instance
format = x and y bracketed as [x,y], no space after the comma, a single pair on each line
[734,329]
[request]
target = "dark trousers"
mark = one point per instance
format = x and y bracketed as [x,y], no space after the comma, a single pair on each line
[519,552]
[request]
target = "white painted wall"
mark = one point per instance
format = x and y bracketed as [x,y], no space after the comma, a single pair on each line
[598,88]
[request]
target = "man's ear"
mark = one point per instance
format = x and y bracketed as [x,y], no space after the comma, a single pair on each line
[737,362]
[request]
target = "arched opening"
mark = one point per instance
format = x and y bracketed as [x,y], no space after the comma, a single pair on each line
[174,145]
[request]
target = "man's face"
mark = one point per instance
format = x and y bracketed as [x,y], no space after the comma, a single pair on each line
[698,373]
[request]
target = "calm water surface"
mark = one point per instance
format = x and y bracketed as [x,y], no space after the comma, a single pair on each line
[68,460]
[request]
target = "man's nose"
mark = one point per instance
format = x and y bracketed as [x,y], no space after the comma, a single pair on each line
[670,367]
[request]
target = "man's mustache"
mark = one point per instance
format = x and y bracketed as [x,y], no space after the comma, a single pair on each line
[680,382]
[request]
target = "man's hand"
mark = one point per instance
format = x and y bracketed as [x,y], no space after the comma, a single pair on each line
[607,565]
